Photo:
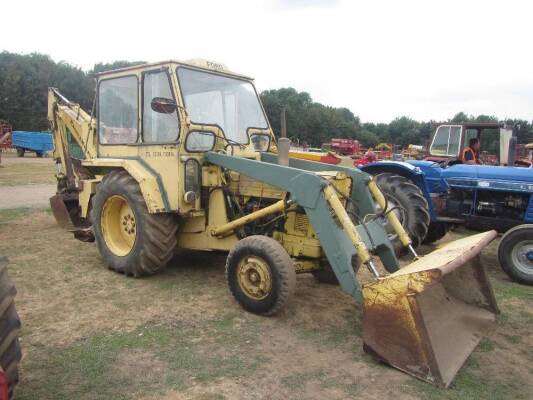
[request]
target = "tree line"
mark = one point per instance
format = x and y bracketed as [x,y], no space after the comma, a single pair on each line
[25,78]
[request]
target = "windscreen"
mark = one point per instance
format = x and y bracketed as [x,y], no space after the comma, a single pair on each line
[228,102]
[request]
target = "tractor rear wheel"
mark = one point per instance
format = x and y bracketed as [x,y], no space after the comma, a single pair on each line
[260,275]
[515,253]
[411,206]
[130,239]
[436,231]
[10,353]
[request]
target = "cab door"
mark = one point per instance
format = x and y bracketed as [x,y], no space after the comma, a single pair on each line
[160,133]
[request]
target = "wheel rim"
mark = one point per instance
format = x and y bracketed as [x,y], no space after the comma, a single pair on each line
[254,277]
[522,256]
[118,225]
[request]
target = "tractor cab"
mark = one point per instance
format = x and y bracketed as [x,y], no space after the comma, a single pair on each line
[498,143]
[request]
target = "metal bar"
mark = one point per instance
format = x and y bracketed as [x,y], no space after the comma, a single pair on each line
[274,208]
[391,217]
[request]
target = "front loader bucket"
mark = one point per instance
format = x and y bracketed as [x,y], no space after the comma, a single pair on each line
[426,318]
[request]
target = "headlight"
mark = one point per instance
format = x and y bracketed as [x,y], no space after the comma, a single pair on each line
[261,142]
[193,180]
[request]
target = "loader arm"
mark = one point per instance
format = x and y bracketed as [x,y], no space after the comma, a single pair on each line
[402,323]
[340,239]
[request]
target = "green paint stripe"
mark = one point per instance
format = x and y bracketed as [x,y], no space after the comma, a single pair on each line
[151,171]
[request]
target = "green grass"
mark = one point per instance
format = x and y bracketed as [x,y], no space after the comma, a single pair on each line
[325,379]
[24,173]
[470,384]
[179,357]
[10,214]
[511,290]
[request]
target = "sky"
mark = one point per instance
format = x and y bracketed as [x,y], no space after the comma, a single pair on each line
[381,59]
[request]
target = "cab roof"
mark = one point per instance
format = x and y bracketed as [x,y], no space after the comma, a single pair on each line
[196,63]
[473,125]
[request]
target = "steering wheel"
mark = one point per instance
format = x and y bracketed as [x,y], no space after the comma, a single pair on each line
[523,164]
[230,145]
[451,161]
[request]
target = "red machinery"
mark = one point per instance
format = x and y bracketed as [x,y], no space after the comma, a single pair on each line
[344,147]
[5,134]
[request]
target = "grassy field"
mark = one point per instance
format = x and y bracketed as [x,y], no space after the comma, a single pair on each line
[89,333]
[26,170]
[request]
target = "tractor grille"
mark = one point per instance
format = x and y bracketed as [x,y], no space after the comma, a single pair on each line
[301,223]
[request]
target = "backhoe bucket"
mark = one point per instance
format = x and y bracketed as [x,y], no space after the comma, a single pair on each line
[426,318]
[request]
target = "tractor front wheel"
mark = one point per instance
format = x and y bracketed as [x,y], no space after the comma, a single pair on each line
[260,275]
[130,239]
[515,253]
[407,201]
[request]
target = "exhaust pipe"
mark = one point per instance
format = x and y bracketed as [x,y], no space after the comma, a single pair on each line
[283,143]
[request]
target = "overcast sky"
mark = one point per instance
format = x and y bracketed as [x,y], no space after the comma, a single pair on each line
[382,59]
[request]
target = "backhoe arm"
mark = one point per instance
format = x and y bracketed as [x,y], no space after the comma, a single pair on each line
[73,130]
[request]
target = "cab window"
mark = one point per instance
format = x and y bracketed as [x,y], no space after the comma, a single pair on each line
[118,110]
[158,127]
[446,141]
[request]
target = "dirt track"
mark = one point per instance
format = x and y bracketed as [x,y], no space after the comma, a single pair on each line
[26,195]
[26,181]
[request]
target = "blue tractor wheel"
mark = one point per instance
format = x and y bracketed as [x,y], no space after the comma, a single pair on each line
[408,202]
[515,253]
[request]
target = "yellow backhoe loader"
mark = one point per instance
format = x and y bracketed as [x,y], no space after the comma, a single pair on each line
[181,155]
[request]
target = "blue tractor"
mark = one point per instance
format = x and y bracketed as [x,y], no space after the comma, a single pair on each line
[433,194]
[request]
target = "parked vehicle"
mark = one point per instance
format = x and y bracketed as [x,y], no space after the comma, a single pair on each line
[38,142]
[5,134]
[477,196]
[343,147]
[205,172]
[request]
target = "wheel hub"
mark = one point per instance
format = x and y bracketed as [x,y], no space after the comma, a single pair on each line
[254,277]
[118,225]
[522,256]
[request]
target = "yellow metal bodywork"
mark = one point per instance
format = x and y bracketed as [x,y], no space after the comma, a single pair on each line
[152,194]
[195,232]
[87,189]
[299,237]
